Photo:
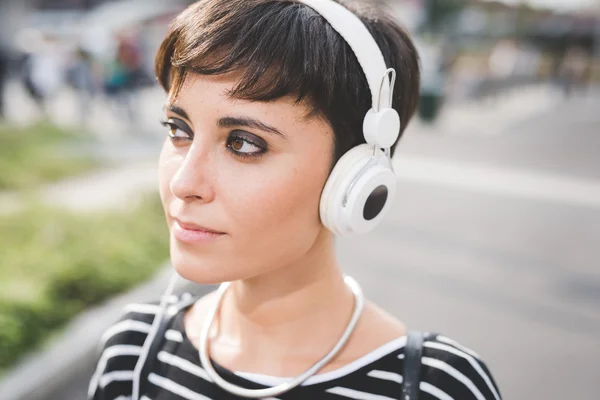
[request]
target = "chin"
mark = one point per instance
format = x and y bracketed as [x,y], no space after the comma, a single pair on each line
[194,266]
[205,268]
[199,270]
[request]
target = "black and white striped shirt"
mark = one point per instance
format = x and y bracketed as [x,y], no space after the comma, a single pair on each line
[450,371]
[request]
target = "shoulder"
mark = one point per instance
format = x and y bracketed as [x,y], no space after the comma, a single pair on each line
[121,346]
[135,322]
[453,371]
[375,328]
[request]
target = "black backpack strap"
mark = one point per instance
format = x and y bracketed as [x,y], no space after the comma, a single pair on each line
[413,352]
[155,346]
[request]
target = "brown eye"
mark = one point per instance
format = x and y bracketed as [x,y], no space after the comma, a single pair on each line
[237,144]
[244,144]
[177,129]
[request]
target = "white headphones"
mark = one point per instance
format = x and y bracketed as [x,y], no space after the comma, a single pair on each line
[362,185]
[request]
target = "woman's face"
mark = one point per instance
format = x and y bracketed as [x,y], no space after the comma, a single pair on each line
[240,181]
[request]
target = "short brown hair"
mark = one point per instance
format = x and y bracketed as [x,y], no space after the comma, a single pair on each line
[283,47]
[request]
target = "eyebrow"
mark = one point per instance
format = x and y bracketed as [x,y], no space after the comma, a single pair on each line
[177,110]
[230,122]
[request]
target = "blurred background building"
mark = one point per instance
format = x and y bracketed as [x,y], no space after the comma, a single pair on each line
[470,48]
[496,226]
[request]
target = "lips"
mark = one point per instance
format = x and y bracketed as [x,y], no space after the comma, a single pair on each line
[195,227]
[188,232]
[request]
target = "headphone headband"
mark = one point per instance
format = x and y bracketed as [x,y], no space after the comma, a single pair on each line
[362,184]
[360,40]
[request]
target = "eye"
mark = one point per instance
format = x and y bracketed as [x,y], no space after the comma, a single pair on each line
[245,144]
[178,130]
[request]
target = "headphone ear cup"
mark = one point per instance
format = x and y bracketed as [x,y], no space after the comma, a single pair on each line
[347,167]
[363,210]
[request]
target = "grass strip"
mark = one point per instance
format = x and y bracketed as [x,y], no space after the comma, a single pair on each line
[37,154]
[54,264]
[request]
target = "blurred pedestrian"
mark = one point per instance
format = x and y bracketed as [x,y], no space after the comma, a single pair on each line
[4,72]
[43,70]
[502,67]
[125,76]
[573,69]
[83,80]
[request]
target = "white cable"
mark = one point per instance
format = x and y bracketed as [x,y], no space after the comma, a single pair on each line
[279,389]
[139,366]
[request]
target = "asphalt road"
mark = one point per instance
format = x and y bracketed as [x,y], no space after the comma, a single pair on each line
[494,241]
[504,257]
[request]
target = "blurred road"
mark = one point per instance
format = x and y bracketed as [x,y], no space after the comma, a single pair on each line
[493,241]
[512,270]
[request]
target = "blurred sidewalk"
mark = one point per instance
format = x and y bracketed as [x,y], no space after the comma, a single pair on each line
[105,119]
[130,150]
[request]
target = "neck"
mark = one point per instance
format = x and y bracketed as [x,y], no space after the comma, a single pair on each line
[295,309]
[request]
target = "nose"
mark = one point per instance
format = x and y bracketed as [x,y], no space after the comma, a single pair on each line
[192,180]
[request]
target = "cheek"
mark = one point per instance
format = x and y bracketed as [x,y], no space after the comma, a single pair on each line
[271,210]
[280,200]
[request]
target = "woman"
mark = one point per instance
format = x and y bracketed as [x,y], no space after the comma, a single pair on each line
[264,99]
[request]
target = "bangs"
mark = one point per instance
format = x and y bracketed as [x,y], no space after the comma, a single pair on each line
[280,48]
